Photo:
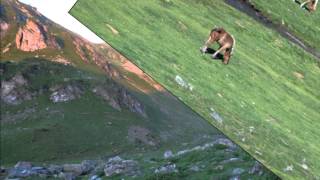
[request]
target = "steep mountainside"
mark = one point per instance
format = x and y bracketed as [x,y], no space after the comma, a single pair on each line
[66,100]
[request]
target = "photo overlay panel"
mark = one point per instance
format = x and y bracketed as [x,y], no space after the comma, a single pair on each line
[265,97]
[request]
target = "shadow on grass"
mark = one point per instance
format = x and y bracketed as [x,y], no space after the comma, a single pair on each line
[212,51]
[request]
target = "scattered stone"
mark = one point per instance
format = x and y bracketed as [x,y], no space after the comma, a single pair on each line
[256,169]
[13,92]
[65,93]
[116,165]
[67,176]
[95,177]
[183,83]
[298,75]
[119,98]
[55,169]
[235,178]
[231,160]
[237,171]
[216,116]
[251,129]
[113,30]
[304,166]
[139,135]
[258,152]
[41,171]
[219,167]
[20,170]
[166,169]
[168,154]
[88,165]
[288,168]
[226,142]
[195,168]
[75,169]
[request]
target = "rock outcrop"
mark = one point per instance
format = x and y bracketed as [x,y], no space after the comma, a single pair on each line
[89,52]
[65,93]
[120,98]
[14,91]
[142,135]
[31,37]
[116,165]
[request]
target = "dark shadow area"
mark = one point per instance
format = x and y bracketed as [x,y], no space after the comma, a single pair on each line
[299,3]
[248,8]
[212,51]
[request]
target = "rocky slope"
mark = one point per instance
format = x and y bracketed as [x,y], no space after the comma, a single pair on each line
[65,99]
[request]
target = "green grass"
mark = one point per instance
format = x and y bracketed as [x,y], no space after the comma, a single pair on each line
[258,88]
[88,128]
[301,22]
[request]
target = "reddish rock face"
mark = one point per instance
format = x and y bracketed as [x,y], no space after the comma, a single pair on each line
[30,37]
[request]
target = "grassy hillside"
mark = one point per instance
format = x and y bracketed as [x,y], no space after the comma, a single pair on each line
[266,99]
[41,131]
[301,22]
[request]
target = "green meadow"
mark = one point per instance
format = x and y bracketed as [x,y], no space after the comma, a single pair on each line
[267,99]
[301,22]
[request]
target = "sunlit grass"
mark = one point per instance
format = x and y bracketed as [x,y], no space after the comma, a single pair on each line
[259,88]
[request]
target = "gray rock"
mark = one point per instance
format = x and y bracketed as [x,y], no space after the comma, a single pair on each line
[166,169]
[225,142]
[88,166]
[137,134]
[256,169]
[235,178]
[67,176]
[66,93]
[237,171]
[216,116]
[195,168]
[231,160]
[41,171]
[183,83]
[14,91]
[120,98]
[116,165]
[23,165]
[168,154]
[76,169]
[94,177]
[55,169]
[20,170]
